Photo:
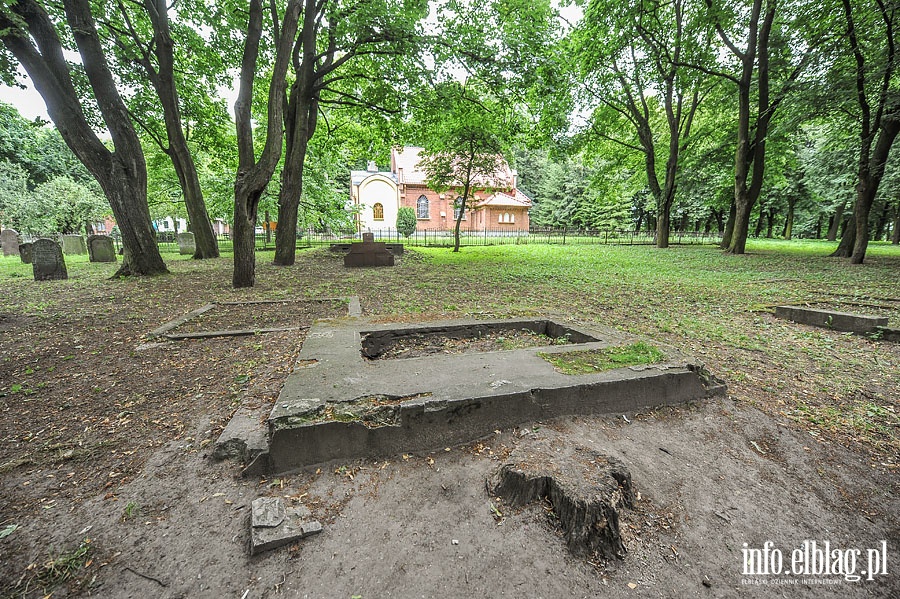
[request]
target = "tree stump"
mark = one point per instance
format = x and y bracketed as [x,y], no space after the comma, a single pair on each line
[586,489]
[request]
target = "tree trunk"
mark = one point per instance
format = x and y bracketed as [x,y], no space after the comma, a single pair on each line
[848,238]
[728,231]
[122,174]
[789,221]
[895,238]
[770,223]
[836,221]
[254,174]
[662,228]
[760,222]
[819,227]
[205,245]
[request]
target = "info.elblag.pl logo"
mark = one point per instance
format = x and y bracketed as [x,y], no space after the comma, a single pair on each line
[813,562]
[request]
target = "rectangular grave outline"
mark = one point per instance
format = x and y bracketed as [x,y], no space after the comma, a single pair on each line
[353,310]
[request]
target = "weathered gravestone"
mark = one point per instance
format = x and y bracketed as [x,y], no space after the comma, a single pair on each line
[9,240]
[47,261]
[101,248]
[25,253]
[73,244]
[185,243]
[368,253]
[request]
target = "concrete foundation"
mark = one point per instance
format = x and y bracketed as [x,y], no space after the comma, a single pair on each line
[829,319]
[337,404]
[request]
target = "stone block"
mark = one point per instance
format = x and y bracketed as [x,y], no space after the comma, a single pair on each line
[73,245]
[273,525]
[101,248]
[25,253]
[9,241]
[829,319]
[186,244]
[47,261]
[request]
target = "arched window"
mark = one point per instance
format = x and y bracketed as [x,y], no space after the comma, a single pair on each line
[422,207]
[499,218]
[378,211]
[456,210]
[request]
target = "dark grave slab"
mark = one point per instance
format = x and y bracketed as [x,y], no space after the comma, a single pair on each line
[9,241]
[394,248]
[368,253]
[47,261]
[101,248]
[186,244]
[829,319]
[73,245]
[25,253]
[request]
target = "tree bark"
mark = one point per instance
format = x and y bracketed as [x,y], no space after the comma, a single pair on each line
[205,245]
[836,222]
[255,174]
[728,231]
[895,238]
[122,173]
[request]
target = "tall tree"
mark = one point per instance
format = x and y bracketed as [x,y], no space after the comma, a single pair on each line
[254,173]
[29,33]
[465,134]
[633,60]
[345,55]
[757,52]
[878,105]
[143,36]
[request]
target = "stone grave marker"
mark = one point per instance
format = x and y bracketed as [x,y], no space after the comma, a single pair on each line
[47,261]
[101,248]
[73,244]
[25,253]
[368,253]
[185,243]
[9,240]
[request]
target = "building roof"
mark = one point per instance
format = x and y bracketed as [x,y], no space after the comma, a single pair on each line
[405,163]
[357,177]
[516,199]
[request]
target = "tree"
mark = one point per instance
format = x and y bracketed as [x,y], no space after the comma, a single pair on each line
[144,37]
[346,55]
[878,105]
[633,61]
[464,147]
[764,37]
[62,205]
[254,173]
[406,221]
[30,34]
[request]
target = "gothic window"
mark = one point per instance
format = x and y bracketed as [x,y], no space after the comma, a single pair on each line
[378,211]
[456,211]
[422,207]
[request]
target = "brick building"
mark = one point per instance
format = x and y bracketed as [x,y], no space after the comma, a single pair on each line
[496,204]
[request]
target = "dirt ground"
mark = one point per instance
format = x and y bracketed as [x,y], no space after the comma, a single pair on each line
[106,474]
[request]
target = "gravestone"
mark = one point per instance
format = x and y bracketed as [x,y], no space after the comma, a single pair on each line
[73,244]
[368,253]
[185,243]
[47,261]
[101,248]
[25,253]
[9,240]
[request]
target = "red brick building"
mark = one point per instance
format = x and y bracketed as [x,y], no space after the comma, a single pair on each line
[495,204]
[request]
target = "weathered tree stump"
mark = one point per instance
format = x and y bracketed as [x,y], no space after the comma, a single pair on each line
[586,490]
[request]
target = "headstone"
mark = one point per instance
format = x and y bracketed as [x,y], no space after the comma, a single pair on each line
[185,243]
[368,253]
[47,261]
[25,253]
[101,248]
[9,240]
[73,244]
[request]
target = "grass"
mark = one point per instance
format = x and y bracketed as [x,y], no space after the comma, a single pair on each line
[67,567]
[598,360]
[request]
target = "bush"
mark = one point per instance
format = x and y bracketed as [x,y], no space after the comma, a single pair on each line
[406,221]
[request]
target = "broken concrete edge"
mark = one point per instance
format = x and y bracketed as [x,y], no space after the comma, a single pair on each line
[886,334]
[159,332]
[427,425]
[273,525]
[244,437]
[831,319]
[229,333]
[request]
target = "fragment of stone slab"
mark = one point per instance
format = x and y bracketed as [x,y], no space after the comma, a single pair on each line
[587,490]
[273,525]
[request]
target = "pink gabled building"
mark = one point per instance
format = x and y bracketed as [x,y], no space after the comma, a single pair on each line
[377,195]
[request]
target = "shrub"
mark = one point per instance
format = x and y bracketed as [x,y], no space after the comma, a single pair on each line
[406,221]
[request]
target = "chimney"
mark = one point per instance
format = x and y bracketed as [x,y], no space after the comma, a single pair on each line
[372,168]
[515,179]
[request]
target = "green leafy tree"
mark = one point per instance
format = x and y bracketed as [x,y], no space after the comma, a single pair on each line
[465,135]
[31,31]
[13,193]
[406,221]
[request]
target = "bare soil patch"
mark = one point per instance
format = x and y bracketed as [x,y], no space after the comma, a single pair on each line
[416,345]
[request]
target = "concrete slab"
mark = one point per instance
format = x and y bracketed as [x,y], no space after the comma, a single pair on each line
[829,319]
[273,525]
[339,405]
